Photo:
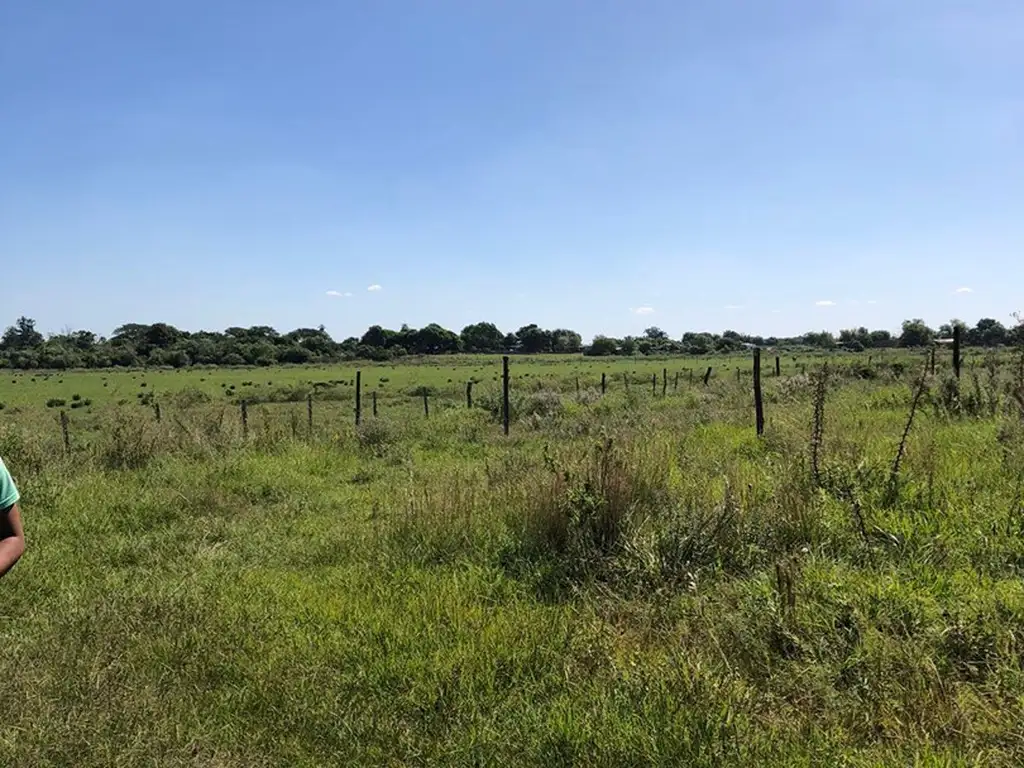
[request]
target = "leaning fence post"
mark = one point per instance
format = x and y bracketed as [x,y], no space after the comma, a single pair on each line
[373,397]
[504,392]
[758,402]
[245,420]
[707,376]
[65,433]
[309,413]
[359,397]
[956,351]
[469,393]
[426,404]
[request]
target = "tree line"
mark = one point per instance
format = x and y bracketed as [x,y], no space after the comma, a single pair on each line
[159,344]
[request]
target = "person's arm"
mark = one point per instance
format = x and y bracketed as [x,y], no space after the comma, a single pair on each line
[12,538]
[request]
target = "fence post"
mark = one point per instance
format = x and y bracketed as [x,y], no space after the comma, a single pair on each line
[309,413]
[654,385]
[577,386]
[426,404]
[603,385]
[504,393]
[956,351]
[932,366]
[156,411]
[675,387]
[373,398]
[778,367]
[758,402]
[664,381]
[65,433]
[245,420]
[707,376]
[469,393]
[737,374]
[359,397]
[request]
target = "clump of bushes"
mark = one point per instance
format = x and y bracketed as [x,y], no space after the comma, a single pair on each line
[56,402]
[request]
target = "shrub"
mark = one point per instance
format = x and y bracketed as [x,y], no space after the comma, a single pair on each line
[55,402]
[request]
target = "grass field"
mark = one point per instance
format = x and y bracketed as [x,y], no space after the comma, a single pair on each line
[627,579]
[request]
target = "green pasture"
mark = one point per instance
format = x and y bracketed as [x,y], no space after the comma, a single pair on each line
[628,579]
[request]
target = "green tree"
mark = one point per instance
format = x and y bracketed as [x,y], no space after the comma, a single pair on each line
[481,337]
[21,335]
[916,333]
[602,346]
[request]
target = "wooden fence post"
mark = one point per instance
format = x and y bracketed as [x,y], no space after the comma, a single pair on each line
[675,387]
[707,376]
[359,397]
[64,432]
[932,365]
[778,367]
[758,402]
[956,351]
[654,385]
[469,393]
[504,393]
[426,404]
[664,381]
[373,397]
[603,385]
[309,413]
[245,420]
[625,380]
[577,386]
[156,411]
[737,374]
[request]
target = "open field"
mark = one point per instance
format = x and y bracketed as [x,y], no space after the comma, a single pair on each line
[627,579]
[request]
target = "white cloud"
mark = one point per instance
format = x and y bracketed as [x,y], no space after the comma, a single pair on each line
[872,301]
[339,294]
[374,287]
[963,290]
[643,311]
[733,306]
[824,303]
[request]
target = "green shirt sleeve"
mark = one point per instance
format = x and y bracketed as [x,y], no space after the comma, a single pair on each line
[8,493]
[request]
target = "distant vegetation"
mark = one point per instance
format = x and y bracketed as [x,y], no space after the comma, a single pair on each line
[160,344]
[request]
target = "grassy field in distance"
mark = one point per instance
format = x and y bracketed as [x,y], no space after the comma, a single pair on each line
[633,579]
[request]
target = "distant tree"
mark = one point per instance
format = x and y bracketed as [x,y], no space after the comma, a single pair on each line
[533,340]
[654,333]
[481,337]
[434,340]
[21,335]
[916,334]
[602,346]
[987,333]
[822,339]
[510,343]
[881,339]
[375,336]
[566,341]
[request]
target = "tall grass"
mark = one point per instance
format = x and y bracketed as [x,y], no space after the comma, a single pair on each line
[626,580]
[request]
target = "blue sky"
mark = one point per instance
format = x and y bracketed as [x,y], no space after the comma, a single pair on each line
[772,166]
